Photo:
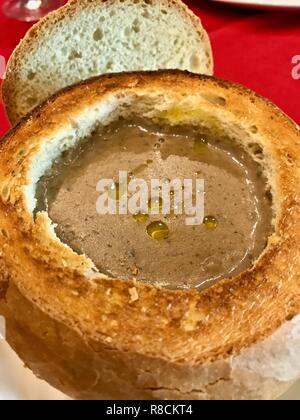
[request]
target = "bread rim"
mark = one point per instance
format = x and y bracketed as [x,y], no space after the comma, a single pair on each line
[35,35]
[183,329]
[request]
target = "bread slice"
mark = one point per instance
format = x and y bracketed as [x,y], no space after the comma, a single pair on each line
[87,38]
[80,330]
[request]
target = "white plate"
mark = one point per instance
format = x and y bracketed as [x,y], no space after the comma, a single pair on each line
[19,383]
[264,4]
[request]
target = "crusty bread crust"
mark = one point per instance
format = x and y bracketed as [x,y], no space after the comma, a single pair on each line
[177,334]
[14,84]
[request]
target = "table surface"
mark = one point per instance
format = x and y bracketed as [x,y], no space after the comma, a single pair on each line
[265,3]
[251,47]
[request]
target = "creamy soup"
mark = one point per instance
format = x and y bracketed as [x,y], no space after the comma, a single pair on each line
[161,249]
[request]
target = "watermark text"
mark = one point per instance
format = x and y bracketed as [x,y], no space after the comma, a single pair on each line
[296,67]
[2,67]
[159,196]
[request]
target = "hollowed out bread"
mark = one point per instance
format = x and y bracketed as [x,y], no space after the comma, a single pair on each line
[87,38]
[96,337]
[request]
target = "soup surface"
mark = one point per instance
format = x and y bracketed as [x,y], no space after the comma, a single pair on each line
[161,249]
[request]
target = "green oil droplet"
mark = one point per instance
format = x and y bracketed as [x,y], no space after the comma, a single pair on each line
[114,191]
[165,180]
[139,169]
[210,222]
[200,145]
[172,214]
[155,204]
[141,217]
[158,230]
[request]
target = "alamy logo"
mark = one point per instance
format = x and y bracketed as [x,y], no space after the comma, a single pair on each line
[2,67]
[2,328]
[296,68]
[159,196]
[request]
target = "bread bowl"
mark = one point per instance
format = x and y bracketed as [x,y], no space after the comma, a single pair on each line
[94,337]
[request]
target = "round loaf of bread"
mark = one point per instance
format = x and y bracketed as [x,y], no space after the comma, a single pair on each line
[95,337]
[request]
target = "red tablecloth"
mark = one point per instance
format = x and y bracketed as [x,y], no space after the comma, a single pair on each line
[250,47]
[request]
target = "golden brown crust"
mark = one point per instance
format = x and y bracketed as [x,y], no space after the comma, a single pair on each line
[184,327]
[91,370]
[41,29]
